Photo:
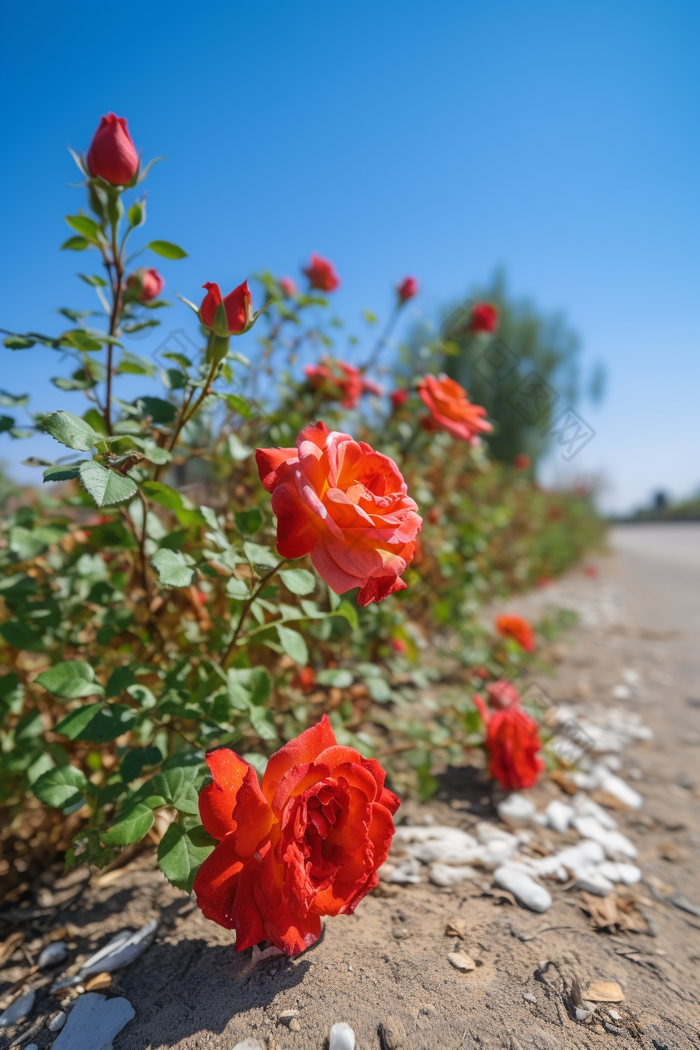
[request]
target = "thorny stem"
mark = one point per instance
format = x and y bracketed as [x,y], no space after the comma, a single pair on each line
[113,321]
[186,414]
[246,609]
[383,338]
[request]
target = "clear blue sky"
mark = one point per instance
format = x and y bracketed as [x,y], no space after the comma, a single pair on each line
[441,139]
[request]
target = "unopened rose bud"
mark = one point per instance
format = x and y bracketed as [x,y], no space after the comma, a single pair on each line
[289,288]
[145,284]
[484,317]
[321,274]
[112,155]
[521,461]
[406,290]
[238,308]
[399,398]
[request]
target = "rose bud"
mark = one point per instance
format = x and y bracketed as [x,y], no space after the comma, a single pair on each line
[288,286]
[516,627]
[484,317]
[406,290]
[145,284]
[399,646]
[321,274]
[112,155]
[238,307]
[502,694]
[399,398]
[521,461]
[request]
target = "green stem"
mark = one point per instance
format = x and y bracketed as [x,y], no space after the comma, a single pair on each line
[246,609]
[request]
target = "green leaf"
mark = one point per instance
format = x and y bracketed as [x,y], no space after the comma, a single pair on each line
[82,340]
[162,494]
[298,581]
[239,404]
[71,431]
[348,611]
[335,676]
[157,408]
[259,555]
[172,569]
[177,788]
[119,680]
[293,645]
[83,225]
[18,635]
[63,473]
[238,450]
[97,722]
[131,827]
[136,759]
[93,279]
[6,423]
[261,721]
[12,400]
[26,543]
[238,589]
[62,787]
[248,521]
[182,852]
[76,244]
[167,249]
[106,486]
[18,342]
[11,693]
[70,679]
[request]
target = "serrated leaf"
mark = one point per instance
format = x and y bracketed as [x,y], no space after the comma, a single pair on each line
[167,249]
[177,788]
[172,569]
[97,722]
[157,408]
[71,431]
[106,486]
[261,721]
[70,679]
[136,759]
[293,645]
[298,581]
[259,555]
[129,828]
[62,787]
[181,853]
[63,473]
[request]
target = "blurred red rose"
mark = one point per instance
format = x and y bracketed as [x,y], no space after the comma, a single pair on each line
[321,274]
[145,284]
[481,672]
[399,398]
[238,305]
[112,155]
[407,289]
[288,286]
[451,409]
[345,505]
[433,515]
[484,317]
[502,694]
[511,626]
[307,843]
[512,742]
[399,646]
[591,570]
[521,461]
[340,381]
[545,581]
[305,679]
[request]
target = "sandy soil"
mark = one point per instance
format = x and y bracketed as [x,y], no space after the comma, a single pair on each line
[387,964]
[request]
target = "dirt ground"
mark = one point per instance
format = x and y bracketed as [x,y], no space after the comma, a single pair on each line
[387,964]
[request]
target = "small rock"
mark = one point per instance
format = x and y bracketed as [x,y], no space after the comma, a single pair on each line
[406,873]
[392,1034]
[559,815]
[287,1016]
[593,881]
[515,879]
[529,997]
[605,992]
[615,844]
[516,811]
[248,1044]
[94,1022]
[614,1014]
[342,1037]
[53,954]
[456,928]
[461,961]
[294,1025]
[581,1014]
[613,1028]
[448,875]
[631,677]
[99,981]
[31,1046]
[18,1009]
[56,1023]
[622,692]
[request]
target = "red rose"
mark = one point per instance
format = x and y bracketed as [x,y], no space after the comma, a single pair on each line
[433,515]
[399,646]
[406,290]
[321,274]
[451,409]
[512,742]
[521,461]
[399,398]
[516,627]
[340,381]
[145,284]
[112,155]
[238,305]
[345,505]
[484,317]
[288,287]
[591,570]
[482,673]
[502,694]
[305,679]
[306,844]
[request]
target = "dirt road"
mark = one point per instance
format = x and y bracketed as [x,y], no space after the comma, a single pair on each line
[635,649]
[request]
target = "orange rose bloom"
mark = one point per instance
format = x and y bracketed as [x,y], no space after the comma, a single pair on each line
[511,626]
[345,505]
[306,843]
[340,381]
[451,409]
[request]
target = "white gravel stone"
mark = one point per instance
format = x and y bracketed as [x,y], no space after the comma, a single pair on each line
[18,1009]
[94,1022]
[592,881]
[586,807]
[515,879]
[559,815]
[620,872]
[53,954]
[406,873]
[57,1021]
[342,1037]
[450,875]
[615,844]
[516,811]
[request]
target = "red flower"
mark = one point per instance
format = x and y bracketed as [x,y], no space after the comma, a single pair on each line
[545,581]
[321,274]
[521,461]
[238,305]
[398,645]
[399,398]
[591,571]
[306,844]
[451,408]
[305,679]
[482,673]
[112,155]
[484,317]
[406,290]
[512,742]
[340,381]
[345,505]
[516,627]
[145,284]
[433,515]
[288,287]
[502,694]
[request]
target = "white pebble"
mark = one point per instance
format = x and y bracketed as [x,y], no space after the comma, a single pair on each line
[559,815]
[56,1023]
[620,872]
[630,676]
[515,879]
[248,1044]
[516,811]
[93,1022]
[53,954]
[406,873]
[582,1015]
[586,807]
[18,1009]
[622,692]
[592,881]
[529,997]
[614,843]
[342,1037]
[450,875]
